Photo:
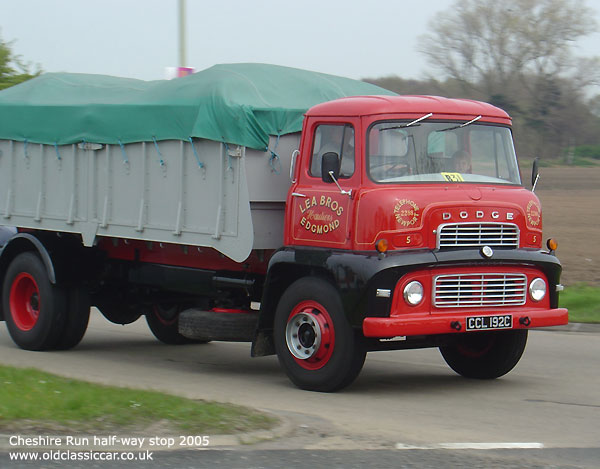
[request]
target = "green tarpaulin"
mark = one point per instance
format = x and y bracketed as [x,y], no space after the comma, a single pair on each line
[235,103]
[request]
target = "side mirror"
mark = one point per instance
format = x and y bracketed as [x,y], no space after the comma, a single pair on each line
[295,154]
[330,162]
[535,174]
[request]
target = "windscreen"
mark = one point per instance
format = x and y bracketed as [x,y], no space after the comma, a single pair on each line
[441,152]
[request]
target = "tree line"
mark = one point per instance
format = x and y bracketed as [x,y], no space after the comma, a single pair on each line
[516,54]
[520,56]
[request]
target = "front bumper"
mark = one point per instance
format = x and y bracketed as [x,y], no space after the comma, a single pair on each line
[445,323]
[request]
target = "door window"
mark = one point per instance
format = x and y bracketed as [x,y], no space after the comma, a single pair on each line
[333,138]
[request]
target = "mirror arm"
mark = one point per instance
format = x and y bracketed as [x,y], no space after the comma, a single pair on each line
[342,191]
[537,178]
[535,174]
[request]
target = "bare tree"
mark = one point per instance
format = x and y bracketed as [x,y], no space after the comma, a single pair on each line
[519,54]
[487,44]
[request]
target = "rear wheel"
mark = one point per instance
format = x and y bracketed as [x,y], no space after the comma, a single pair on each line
[486,355]
[118,312]
[34,308]
[77,318]
[163,321]
[315,344]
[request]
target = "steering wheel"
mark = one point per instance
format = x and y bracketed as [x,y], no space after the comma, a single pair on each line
[387,170]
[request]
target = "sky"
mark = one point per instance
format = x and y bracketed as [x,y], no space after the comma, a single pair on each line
[139,38]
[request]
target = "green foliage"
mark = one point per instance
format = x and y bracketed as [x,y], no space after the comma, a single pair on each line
[33,399]
[5,60]
[588,151]
[6,82]
[12,69]
[582,155]
[580,162]
[583,303]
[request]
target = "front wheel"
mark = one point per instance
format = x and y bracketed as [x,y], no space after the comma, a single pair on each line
[315,344]
[486,355]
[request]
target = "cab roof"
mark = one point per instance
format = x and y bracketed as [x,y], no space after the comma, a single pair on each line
[411,107]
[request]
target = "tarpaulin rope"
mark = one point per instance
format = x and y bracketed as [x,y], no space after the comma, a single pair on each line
[125,160]
[275,160]
[57,152]
[200,164]
[160,157]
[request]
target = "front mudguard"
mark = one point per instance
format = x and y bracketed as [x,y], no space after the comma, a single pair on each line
[358,275]
[354,274]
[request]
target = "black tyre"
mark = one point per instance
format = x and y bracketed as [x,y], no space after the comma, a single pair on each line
[77,319]
[315,344]
[205,326]
[486,355]
[34,309]
[118,312]
[163,321]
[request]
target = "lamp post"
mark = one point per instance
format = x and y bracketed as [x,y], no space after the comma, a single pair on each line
[182,58]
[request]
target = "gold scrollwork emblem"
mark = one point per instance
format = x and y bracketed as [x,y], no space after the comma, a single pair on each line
[534,213]
[406,212]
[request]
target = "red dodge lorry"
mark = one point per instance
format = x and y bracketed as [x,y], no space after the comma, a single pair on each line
[403,224]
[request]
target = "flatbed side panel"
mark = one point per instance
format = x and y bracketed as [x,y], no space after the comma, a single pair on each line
[268,184]
[147,191]
[269,171]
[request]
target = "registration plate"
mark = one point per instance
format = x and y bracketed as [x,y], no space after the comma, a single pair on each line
[485,323]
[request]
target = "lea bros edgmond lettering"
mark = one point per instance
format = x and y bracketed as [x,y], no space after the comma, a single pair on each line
[323,221]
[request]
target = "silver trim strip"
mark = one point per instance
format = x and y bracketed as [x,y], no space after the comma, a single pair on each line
[479,290]
[493,234]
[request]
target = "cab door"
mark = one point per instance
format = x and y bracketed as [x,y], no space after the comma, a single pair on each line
[321,213]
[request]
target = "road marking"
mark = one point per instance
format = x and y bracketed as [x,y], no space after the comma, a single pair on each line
[525,445]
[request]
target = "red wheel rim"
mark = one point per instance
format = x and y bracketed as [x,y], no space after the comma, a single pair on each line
[166,317]
[318,325]
[25,301]
[474,350]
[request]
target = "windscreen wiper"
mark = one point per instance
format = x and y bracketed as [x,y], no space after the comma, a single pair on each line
[403,126]
[460,126]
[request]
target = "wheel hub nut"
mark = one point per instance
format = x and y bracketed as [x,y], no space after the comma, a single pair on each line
[303,335]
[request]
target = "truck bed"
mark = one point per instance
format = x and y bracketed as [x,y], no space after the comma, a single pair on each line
[228,197]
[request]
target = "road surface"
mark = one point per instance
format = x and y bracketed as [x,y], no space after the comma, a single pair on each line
[403,402]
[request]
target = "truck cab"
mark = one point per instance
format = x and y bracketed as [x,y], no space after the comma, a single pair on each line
[413,210]
[405,179]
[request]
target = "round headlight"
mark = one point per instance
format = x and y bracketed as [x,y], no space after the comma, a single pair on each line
[413,293]
[537,289]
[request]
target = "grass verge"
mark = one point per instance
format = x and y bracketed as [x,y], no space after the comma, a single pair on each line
[32,400]
[583,302]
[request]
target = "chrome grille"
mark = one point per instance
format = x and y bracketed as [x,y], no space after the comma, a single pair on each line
[478,234]
[479,290]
